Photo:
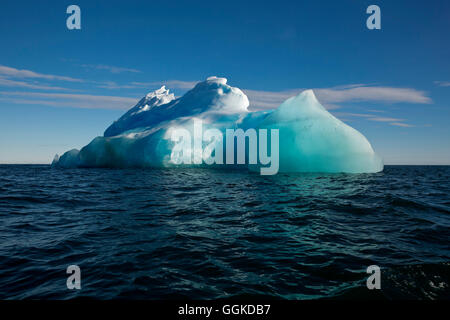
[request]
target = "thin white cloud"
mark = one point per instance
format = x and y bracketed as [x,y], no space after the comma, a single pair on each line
[170,84]
[380,119]
[111,69]
[113,85]
[17,73]
[22,84]
[262,100]
[351,114]
[69,100]
[401,124]
[179,84]
[392,121]
[371,117]
[331,97]
[442,83]
[379,94]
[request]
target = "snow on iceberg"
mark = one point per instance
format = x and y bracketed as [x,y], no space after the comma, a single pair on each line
[310,138]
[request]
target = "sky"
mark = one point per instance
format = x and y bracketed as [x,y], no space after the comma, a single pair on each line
[61,88]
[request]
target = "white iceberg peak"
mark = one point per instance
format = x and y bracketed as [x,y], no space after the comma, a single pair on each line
[217,80]
[309,97]
[306,100]
[309,93]
[158,92]
[153,99]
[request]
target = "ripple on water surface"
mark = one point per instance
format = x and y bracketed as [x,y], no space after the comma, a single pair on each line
[208,234]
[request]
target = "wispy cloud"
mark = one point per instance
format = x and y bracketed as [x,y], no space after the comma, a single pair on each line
[346,116]
[379,119]
[331,97]
[401,124]
[442,83]
[22,84]
[392,121]
[379,94]
[351,114]
[17,73]
[261,100]
[111,69]
[68,100]
[114,85]
[171,84]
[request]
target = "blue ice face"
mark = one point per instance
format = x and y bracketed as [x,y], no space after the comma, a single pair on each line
[313,140]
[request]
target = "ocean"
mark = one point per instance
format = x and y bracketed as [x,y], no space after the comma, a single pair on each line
[210,234]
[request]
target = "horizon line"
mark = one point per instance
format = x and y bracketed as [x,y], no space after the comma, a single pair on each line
[49,164]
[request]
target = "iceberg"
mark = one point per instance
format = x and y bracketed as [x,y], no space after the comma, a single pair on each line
[310,139]
[313,140]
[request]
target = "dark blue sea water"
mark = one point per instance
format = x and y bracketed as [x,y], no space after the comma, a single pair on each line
[204,234]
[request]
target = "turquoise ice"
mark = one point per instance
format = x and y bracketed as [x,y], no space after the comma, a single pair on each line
[313,140]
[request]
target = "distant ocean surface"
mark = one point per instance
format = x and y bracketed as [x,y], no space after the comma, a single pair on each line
[207,234]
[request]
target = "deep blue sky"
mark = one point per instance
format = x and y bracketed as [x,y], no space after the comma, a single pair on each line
[392,84]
